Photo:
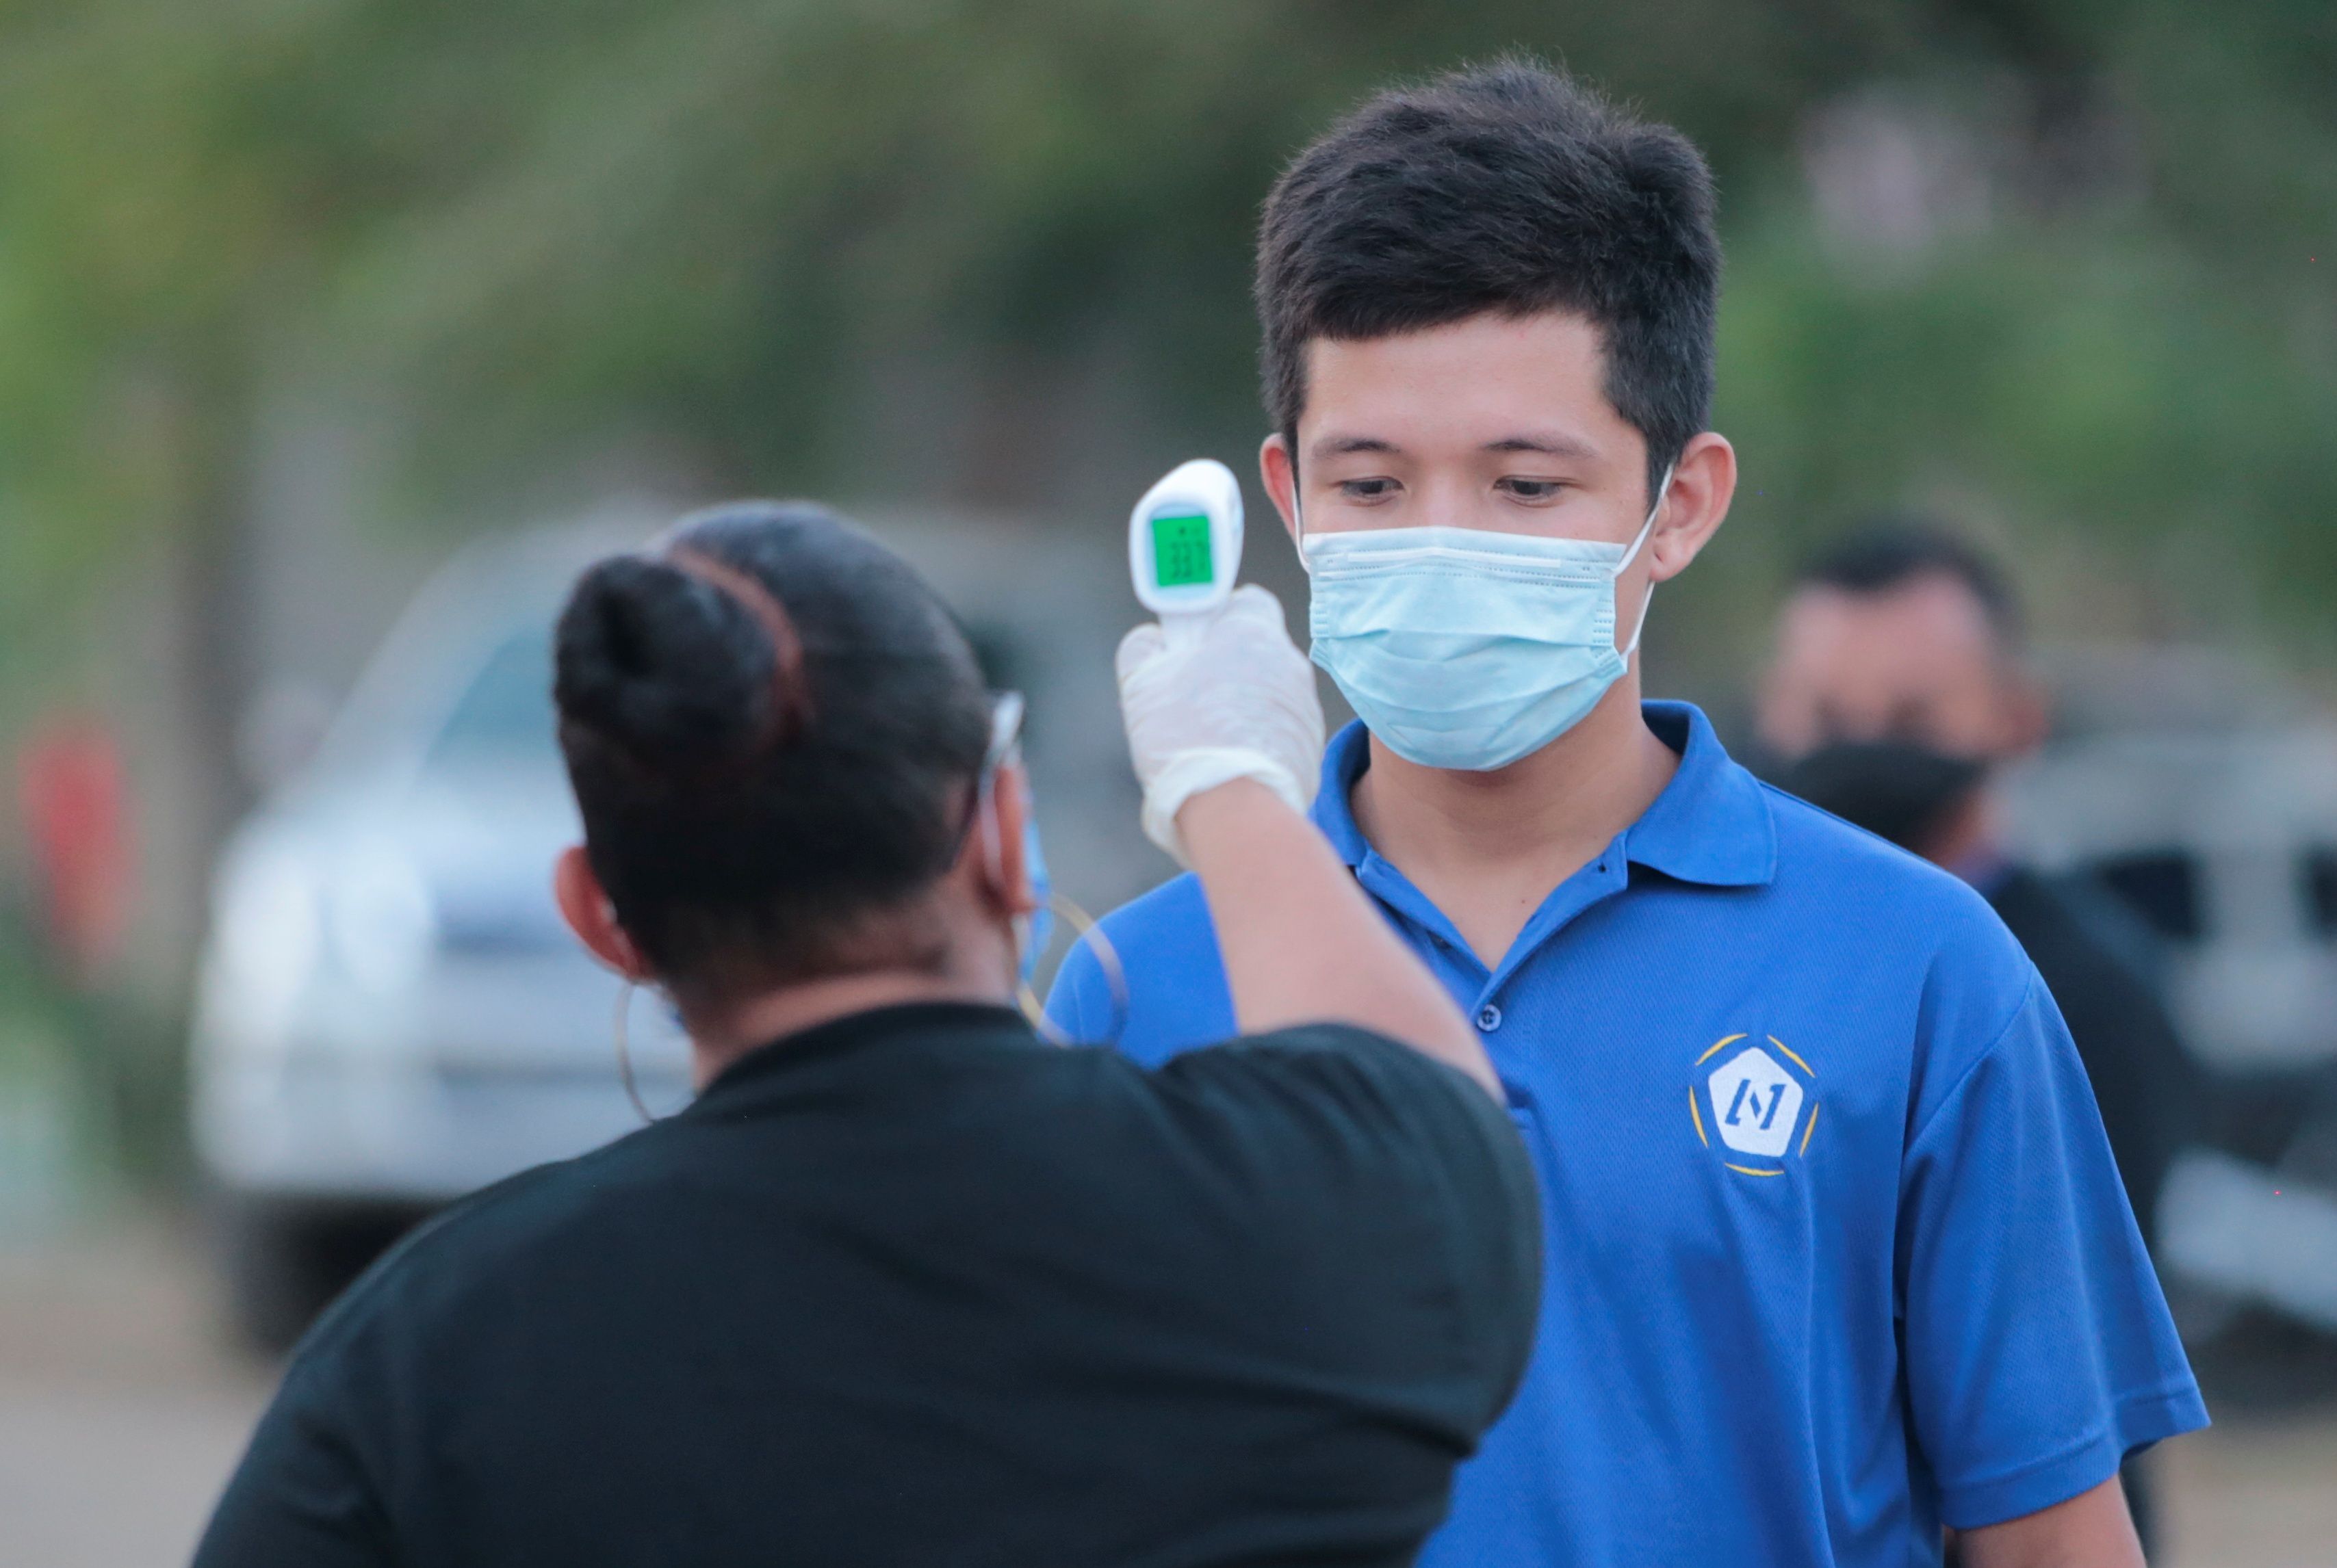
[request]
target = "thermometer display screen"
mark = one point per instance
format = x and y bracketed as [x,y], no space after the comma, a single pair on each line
[1180,551]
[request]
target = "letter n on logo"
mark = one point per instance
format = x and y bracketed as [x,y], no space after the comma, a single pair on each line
[1756,1104]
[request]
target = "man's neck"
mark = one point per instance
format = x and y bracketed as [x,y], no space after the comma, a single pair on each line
[1487,848]
[1968,845]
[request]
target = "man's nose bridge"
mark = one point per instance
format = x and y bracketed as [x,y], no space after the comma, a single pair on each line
[1452,497]
[1449,495]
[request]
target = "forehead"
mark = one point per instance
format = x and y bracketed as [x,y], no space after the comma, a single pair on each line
[1918,629]
[1464,377]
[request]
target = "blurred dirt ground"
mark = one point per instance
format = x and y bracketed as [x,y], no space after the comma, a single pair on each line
[121,1411]
[122,1408]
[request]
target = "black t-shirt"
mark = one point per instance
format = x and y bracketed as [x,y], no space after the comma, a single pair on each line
[915,1288]
[2143,1082]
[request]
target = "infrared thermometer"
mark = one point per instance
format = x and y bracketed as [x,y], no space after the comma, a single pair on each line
[1185,545]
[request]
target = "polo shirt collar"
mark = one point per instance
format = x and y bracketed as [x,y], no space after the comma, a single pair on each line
[1711,826]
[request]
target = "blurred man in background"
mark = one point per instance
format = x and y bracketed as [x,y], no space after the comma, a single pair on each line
[1895,687]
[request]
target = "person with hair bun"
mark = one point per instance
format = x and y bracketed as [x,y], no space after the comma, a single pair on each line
[906,1284]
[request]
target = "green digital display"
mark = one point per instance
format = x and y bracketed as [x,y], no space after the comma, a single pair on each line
[1180,551]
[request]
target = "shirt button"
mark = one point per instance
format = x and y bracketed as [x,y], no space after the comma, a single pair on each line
[1489,1017]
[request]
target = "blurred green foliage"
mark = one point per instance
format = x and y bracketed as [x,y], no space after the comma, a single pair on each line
[531,228]
[544,223]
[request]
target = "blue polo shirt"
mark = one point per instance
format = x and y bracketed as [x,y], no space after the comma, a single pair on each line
[1835,1249]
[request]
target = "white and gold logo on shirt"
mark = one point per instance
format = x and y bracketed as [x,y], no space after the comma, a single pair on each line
[1759,1103]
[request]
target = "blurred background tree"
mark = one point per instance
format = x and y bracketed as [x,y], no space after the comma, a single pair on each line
[2063,248]
[2063,267]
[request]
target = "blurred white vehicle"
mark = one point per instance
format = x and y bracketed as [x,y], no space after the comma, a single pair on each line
[390,1012]
[2208,801]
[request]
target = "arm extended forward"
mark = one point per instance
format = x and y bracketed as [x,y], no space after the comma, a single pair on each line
[1227,736]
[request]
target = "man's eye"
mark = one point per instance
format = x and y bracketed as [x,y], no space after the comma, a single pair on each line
[1367,489]
[1532,489]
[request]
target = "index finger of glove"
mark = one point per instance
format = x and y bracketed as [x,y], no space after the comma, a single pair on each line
[1256,605]
[1142,645]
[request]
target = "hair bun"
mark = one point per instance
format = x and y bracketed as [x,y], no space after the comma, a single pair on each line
[666,665]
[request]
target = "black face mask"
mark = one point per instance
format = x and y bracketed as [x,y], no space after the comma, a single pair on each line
[1892,789]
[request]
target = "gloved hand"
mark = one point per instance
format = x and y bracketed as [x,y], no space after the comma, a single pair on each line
[1236,703]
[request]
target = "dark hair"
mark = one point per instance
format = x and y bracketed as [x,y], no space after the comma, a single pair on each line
[1506,188]
[1891,551]
[773,728]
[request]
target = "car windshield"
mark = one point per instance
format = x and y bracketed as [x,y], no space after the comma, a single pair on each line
[505,716]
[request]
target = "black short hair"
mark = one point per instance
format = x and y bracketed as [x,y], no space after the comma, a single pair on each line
[774,729]
[1507,188]
[1891,550]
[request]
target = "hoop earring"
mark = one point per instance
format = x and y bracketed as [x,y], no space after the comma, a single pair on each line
[1090,932]
[1034,1011]
[625,1055]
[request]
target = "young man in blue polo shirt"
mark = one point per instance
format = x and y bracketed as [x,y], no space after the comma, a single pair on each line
[1836,1252]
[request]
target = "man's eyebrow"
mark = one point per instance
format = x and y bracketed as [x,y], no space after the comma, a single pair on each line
[1548,445]
[1341,445]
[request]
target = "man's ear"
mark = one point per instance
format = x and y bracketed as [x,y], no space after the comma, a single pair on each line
[1704,481]
[1279,471]
[586,908]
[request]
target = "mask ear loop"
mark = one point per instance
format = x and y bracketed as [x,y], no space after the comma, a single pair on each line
[1005,746]
[993,860]
[1090,932]
[1647,531]
[1006,725]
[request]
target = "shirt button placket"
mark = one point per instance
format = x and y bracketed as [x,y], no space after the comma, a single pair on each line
[1489,1018]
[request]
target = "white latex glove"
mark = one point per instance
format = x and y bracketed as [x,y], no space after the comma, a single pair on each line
[1237,702]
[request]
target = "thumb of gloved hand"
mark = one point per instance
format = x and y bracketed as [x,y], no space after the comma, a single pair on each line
[1231,698]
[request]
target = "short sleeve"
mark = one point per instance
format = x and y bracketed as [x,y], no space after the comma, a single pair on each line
[1079,1003]
[1161,989]
[2040,1350]
[300,1499]
[1397,1163]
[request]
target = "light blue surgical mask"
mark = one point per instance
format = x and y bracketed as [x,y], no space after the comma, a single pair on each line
[1459,647]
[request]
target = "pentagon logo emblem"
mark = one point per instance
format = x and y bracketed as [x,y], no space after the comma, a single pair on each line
[1755,1105]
